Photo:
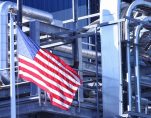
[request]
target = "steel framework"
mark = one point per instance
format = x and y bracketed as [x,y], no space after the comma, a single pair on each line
[115,68]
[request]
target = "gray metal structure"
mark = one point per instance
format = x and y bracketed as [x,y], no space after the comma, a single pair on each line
[116,80]
[44,33]
[111,59]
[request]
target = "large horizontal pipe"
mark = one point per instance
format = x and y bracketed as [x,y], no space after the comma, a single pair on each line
[27,11]
[85,53]
[66,49]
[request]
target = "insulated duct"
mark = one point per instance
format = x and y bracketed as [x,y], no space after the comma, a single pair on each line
[28,12]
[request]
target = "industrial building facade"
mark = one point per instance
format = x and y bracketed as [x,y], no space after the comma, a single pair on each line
[106,42]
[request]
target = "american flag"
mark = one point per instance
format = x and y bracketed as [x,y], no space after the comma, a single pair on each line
[47,71]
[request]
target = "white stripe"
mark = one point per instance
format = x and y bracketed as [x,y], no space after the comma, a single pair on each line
[48,72]
[59,64]
[45,78]
[57,69]
[45,86]
[60,103]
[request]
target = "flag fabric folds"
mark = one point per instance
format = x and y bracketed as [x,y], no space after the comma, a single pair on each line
[47,71]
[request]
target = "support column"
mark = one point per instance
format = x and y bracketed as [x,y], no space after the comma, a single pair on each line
[80,67]
[77,49]
[111,59]
[35,31]
[35,36]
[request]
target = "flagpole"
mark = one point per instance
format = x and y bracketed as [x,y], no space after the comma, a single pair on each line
[12,71]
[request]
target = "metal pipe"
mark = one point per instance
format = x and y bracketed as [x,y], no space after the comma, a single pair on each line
[127,37]
[19,13]
[75,44]
[12,69]
[85,53]
[75,50]
[97,82]
[89,21]
[4,41]
[137,72]
[75,13]
[27,11]
[37,14]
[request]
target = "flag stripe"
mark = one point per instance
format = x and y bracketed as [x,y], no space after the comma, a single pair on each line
[57,102]
[45,60]
[45,75]
[61,63]
[44,86]
[52,75]
[32,67]
[62,101]
[67,69]
[57,59]
[47,71]
[48,81]
[39,59]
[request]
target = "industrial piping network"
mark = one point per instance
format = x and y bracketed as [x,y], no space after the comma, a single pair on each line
[40,15]
[137,68]
[134,5]
[5,7]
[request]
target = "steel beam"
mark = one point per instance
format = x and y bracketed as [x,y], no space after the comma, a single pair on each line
[111,59]
[47,29]
[35,36]
[30,105]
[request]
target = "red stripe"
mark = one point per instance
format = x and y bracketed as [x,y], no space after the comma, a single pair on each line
[45,89]
[48,84]
[31,80]
[47,75]
[56,104]
[52,62]
[61,99]
[53,70]
[62,62]
[59,61]
[60,106]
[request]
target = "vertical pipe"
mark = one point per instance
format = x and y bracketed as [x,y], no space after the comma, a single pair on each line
[89,21]
[39,95]
[77,48]
[137,72]
[88,12]
[97,83]
[75,13]
[146,109]
[19,13]
[12,71]
[75,42]
[127,38]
